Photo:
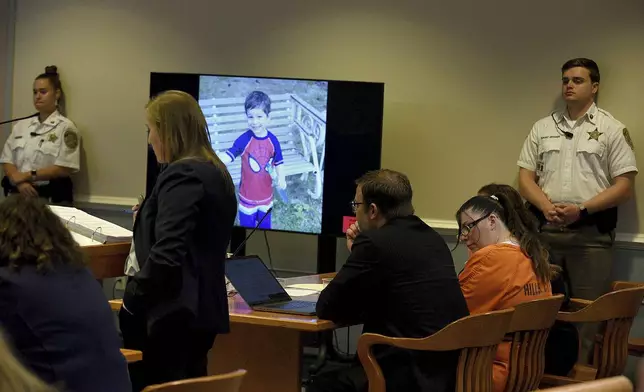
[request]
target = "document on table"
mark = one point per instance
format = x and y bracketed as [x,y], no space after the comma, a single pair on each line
[84,241]
[90,226]
[293,292]
[307,286]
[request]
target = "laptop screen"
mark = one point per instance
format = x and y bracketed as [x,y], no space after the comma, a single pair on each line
[253,281]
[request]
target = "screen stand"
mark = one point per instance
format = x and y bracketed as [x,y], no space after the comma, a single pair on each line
[326,253]
[238,236]
[326,249]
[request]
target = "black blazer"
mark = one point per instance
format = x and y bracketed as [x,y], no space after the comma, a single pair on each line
[400,281]
[62,328]
[181,235]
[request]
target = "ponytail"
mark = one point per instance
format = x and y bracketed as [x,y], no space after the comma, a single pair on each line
[522,226]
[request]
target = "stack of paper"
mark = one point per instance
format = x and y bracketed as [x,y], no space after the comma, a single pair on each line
[94,229]
[84,241]
[317,287]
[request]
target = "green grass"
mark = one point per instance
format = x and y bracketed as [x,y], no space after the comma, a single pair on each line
[303,213]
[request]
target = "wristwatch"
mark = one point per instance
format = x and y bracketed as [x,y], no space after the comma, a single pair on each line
[33,175]
[583,212]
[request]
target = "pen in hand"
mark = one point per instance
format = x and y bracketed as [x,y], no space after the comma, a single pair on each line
[135,208]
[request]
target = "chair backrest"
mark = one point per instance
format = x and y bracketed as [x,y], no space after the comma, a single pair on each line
[622,284]
[528,332]
[612,384]
[476,336]
[229,382]
[616,311]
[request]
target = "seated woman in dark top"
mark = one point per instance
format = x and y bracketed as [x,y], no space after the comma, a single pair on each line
[52,310]
[14,377]
[563,341]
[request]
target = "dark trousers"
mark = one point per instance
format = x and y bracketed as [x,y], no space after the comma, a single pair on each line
[586,257]
[58,191]
[172,349]
[403,371]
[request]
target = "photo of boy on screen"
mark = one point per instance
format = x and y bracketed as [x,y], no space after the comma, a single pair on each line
[261,154]
[271,134]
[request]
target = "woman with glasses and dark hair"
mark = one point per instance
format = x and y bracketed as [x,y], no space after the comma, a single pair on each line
[508,264]
[563,340]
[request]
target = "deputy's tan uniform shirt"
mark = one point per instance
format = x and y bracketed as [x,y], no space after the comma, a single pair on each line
[576,170]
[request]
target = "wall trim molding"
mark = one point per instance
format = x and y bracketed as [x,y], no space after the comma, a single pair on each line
[446,228]
[105,202]
[631,241]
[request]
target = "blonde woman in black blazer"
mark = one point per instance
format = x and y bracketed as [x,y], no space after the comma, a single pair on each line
[176,304]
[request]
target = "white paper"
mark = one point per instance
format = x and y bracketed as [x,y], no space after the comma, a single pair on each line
[300,292]
[90,226]
[317,287]
[84,241]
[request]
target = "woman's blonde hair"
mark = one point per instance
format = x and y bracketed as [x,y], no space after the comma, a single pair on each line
[14,377]
[182,127]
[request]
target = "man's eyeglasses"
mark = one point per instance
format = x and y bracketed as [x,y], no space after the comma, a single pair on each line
[354,205]
[466,228]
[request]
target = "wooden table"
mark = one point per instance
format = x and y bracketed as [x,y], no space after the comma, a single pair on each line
[107,261]
[132,355]
[268,345]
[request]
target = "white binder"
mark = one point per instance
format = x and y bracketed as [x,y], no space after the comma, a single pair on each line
[95,230]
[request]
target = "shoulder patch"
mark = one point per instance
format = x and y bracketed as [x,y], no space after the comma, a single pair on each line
[628,139]
[71,139]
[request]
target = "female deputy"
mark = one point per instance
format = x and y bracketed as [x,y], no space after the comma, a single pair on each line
[42,151]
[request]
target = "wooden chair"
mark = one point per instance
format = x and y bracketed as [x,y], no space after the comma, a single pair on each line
[476,336]
[528,332]
[611,384]
[635,345]
[229,382]
[615,310]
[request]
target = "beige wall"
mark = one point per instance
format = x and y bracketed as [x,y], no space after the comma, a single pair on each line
[465,79]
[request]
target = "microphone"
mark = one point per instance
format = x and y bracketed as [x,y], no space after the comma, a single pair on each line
[251,233]
[18,119]
[568,135]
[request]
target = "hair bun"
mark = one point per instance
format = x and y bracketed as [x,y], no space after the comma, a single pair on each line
[51,70]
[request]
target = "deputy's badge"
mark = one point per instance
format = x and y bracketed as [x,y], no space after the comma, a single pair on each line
[628,139]
[594,135]
[71,139]
[52,137]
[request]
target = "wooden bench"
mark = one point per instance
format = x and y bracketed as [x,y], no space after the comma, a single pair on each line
[299,127]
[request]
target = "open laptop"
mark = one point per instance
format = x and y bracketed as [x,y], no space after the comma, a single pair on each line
[259,288]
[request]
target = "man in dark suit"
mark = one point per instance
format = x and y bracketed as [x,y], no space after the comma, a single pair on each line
[399,281]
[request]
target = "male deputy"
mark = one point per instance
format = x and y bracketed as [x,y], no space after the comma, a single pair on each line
[576,166]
